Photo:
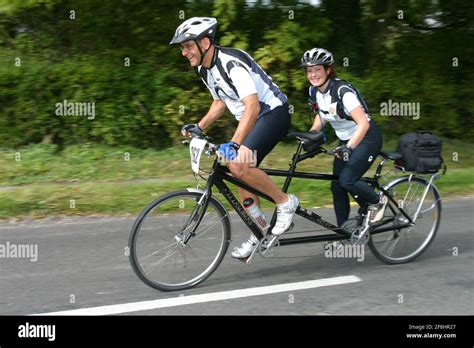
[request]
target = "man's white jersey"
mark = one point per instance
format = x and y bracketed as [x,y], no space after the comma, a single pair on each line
[234,75]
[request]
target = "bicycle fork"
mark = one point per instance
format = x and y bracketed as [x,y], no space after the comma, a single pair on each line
[196,216]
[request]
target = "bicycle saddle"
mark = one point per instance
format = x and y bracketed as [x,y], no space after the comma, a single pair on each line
[311,136]
[391,155]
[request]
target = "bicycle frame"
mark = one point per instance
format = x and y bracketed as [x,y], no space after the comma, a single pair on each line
[219,174]
[174,250]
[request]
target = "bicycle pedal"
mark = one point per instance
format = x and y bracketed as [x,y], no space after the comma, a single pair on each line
[243,259]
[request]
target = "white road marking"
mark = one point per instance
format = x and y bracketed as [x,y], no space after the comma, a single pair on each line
[213,296]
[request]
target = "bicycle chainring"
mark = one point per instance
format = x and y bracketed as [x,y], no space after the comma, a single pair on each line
[356,239]
[350,226]
[263,247]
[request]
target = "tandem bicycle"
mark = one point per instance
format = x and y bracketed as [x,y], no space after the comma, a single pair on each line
[181,238]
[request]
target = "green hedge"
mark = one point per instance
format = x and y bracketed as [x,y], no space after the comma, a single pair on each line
[146,103]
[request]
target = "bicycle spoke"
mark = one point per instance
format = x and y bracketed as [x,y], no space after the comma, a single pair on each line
[157,251]
[167,256]
[392,247]
[201,233]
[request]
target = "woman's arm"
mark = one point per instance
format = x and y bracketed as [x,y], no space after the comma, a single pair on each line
[363,125]
[317,125]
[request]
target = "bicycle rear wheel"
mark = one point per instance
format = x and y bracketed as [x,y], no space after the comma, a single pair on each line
[404,244]
[166,254]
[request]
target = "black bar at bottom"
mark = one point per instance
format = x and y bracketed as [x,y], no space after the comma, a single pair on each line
[313,330]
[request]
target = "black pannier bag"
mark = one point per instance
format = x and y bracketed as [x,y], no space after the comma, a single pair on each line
[421,152]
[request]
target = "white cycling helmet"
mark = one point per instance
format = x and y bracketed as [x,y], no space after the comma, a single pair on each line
[317,56]
[194,29]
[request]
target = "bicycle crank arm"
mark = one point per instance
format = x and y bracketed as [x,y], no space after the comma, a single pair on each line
[252,255]
[360,236]
[249,258]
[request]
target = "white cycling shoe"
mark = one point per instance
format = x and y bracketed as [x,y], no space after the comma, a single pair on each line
[376,211]
[246,248]
[285,213]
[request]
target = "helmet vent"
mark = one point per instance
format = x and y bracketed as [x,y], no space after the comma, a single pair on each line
[195,28]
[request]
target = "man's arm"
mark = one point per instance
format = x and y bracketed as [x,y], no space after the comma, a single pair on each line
[246,123]
[216,110]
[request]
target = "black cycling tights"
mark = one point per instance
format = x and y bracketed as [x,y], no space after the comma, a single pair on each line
[351,171]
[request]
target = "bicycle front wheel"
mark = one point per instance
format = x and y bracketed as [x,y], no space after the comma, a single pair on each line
[172,248]
[404,244]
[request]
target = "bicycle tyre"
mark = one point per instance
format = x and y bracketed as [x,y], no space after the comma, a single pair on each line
[152,225]
[407,192]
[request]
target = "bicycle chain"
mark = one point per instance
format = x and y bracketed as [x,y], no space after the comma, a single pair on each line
[351,224]
[291,257]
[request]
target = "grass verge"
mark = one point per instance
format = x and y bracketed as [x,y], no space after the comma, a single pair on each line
[36,181]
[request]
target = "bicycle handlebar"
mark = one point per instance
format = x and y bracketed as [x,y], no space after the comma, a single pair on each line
[211,147]
[331,152]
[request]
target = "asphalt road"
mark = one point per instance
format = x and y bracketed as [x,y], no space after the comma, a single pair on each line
[81,263]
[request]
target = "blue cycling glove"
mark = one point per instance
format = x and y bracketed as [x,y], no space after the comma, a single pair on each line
[229,150]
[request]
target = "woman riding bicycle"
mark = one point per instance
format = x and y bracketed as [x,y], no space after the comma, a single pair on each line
[338,102]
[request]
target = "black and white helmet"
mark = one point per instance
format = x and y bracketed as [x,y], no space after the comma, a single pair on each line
[195,28]
[317,56]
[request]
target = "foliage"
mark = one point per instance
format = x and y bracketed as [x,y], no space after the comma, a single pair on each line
[422,57]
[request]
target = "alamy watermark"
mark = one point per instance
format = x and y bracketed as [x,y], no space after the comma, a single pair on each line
[345,251]
[28,330]
[75,109]
[19,251]
[249,157]
[393,108]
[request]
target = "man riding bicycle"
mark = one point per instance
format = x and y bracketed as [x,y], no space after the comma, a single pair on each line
[238,83]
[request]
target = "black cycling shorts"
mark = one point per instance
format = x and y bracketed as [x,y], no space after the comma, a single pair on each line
[267,131]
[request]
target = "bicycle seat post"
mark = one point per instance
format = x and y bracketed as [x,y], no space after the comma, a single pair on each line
[286,184]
